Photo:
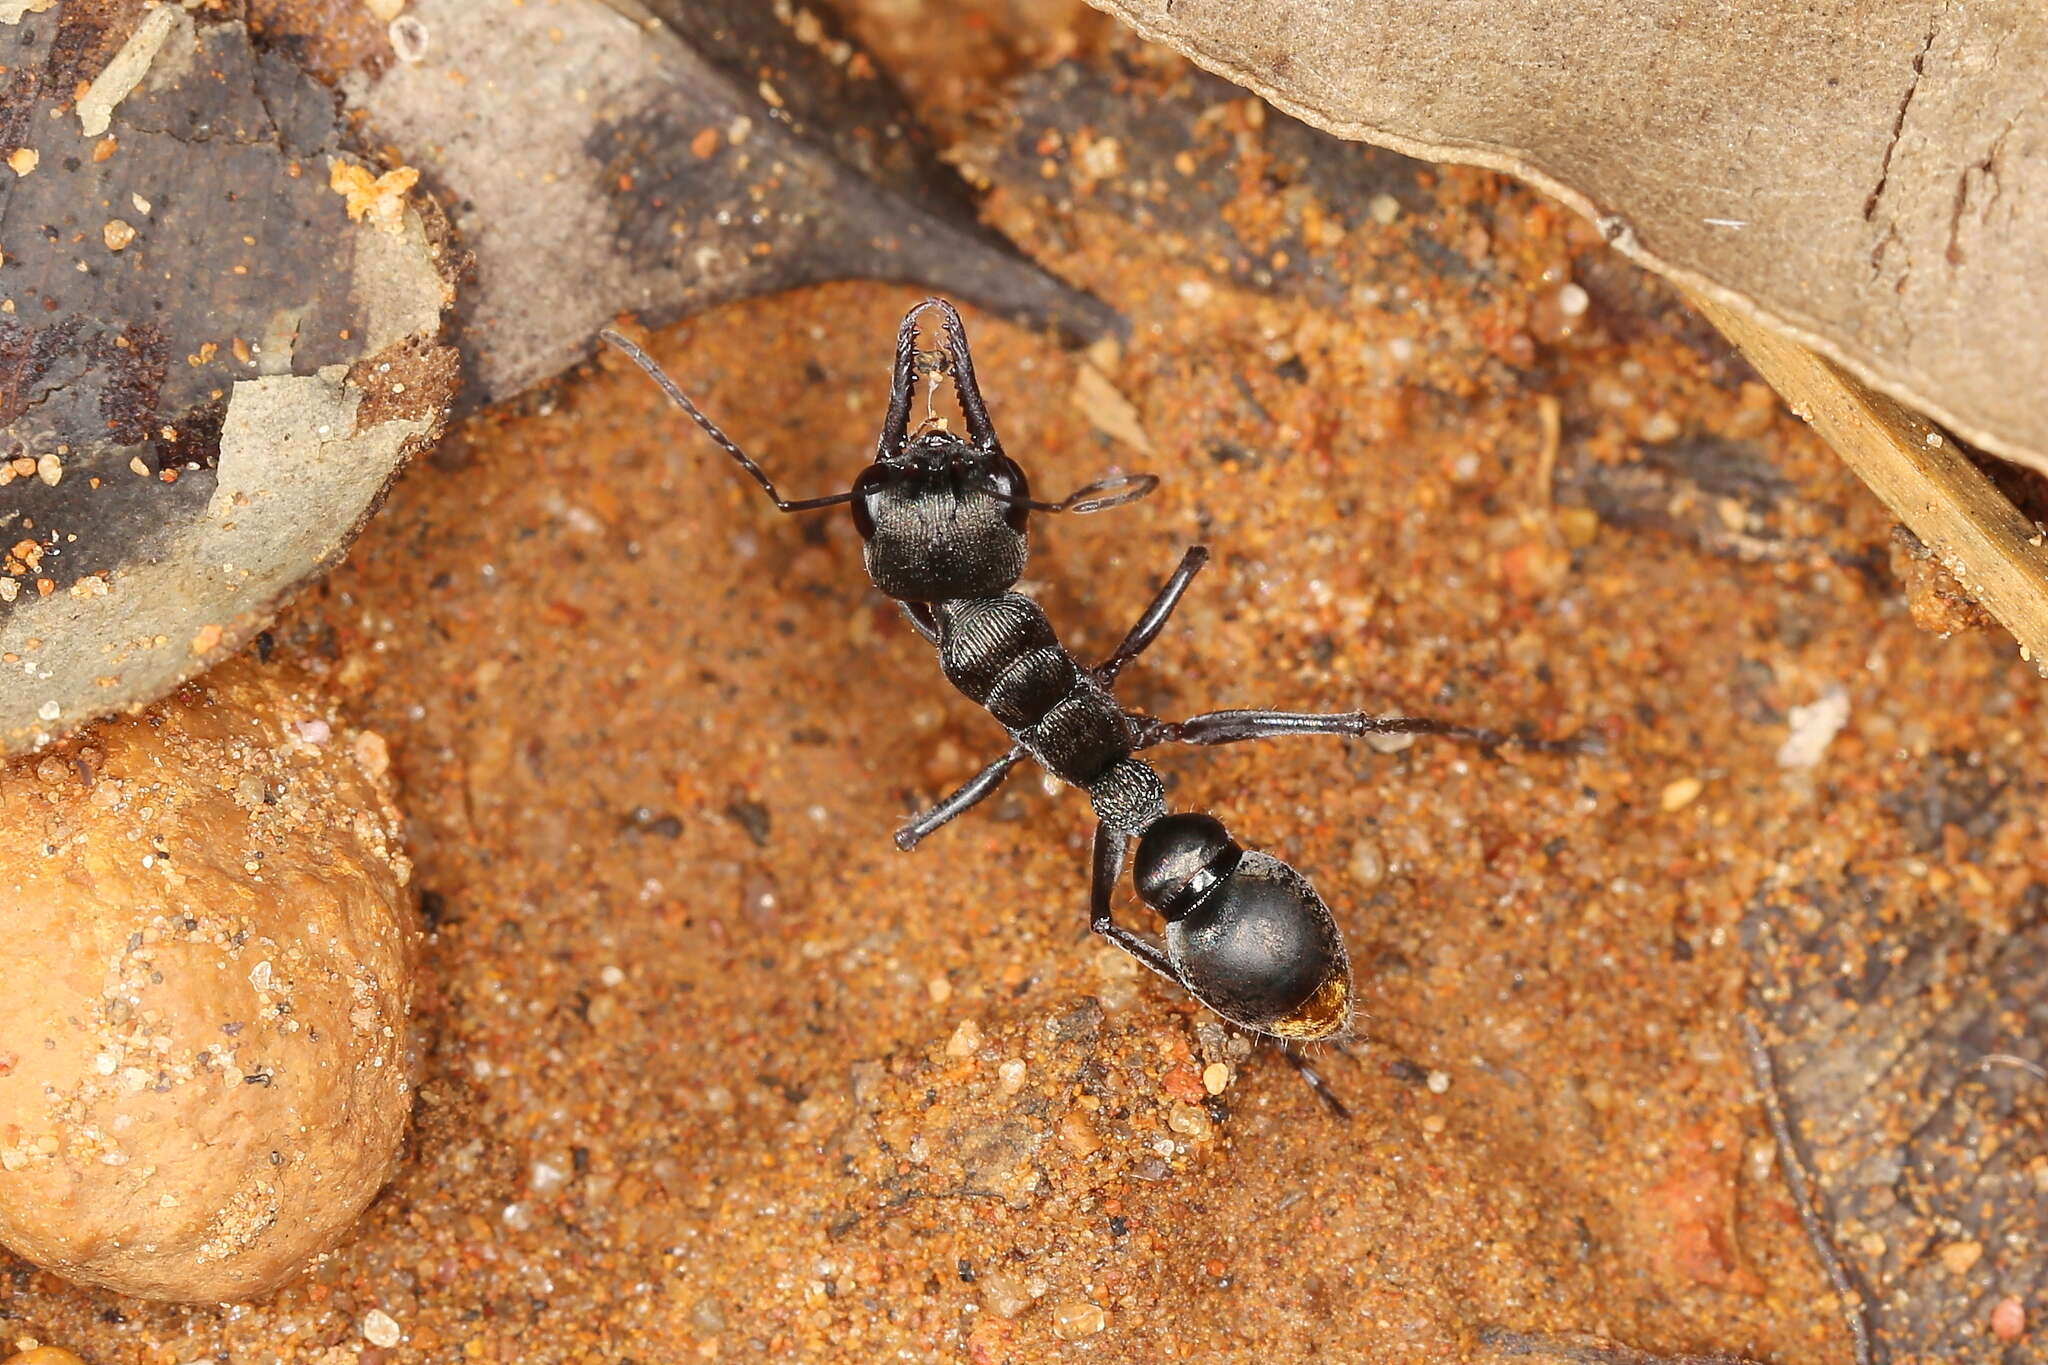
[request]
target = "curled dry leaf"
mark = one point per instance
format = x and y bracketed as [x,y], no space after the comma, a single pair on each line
[665,156]
[1869,179]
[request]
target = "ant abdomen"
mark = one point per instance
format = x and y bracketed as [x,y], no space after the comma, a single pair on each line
[1246,933]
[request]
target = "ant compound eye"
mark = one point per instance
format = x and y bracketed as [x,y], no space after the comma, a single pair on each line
[1182,860]
[1007,481]
[1261,950]
[868,489]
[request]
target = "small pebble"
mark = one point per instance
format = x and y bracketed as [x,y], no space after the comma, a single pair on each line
[1368,864]
[1216,1078]
[1077,1135]
[939,990]
[1010,1075]
[2009,1319]
[44,1355]
[1003,1293]
[1190,1122]
[1432,1123]
[966,1040]
[381,1329]
[409,39]
[1438,1082]
[1076,1318]
[1682,793]
[1958,1257]
[1389,744]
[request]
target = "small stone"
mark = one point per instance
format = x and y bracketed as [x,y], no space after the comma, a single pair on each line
[372,753]
[1438,1082]
[2009,1319]
[44,1355]
[1432,1124]
[50,470]
[966,1040]
[1958,1257]
[1389,744]
[1216,1078]
[939,990]
[1368,863]
[1190,1122]
[1580,526]
[381,1329]
[1077,1135]
[409,39]
[1003,1293]
[1682,793]
[1384,208]
[385,10]
[1010,1076]
[1077,1318]
[1183,1083]
[116,234]
[22,160]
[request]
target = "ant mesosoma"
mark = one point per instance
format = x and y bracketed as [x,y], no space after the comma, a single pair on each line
[942,521]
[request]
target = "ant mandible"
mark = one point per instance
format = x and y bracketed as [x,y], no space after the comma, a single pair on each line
[942,521]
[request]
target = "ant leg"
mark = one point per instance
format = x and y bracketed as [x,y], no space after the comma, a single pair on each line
[1153,621]
[1314,1080]
[977,788]
[922,620]
[710,428]
[1229,727]
[1109,865]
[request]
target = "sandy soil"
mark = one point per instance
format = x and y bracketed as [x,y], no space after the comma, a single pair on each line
[720,1075]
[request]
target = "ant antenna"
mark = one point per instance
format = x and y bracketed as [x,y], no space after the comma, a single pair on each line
[682,400]
[1115,490]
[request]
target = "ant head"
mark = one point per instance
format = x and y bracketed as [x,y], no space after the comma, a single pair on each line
[943,516]
[1247,934]
[942,520]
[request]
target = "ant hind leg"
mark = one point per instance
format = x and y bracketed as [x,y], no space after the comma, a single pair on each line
[1108,865]
[1231,727]
[1314,1080]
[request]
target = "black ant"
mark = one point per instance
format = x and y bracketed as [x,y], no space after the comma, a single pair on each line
[943,523]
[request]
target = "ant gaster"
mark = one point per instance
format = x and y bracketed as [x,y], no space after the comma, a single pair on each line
[942,520]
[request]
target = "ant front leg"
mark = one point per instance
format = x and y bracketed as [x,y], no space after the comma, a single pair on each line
[976,789]
[1231,727]
[1154,620]
[1109,865]
[921,619]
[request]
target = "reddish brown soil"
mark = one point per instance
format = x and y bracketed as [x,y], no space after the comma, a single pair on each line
[720,1075]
